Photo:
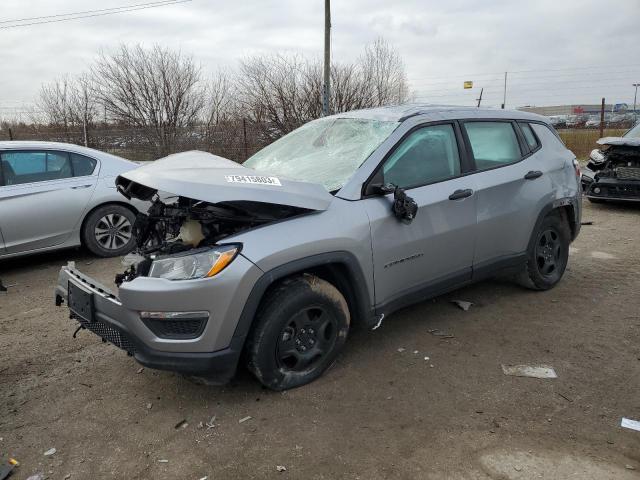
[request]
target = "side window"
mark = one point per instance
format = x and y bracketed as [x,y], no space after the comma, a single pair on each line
[493,143]
[82,166]
[427,155]
[34,166]
[529,136]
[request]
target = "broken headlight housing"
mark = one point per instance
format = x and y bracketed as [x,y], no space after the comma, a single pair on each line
[201,264]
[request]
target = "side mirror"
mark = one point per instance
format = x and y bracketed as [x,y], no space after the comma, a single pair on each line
[404,207]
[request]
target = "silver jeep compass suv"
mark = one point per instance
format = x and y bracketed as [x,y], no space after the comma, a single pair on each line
[341,222]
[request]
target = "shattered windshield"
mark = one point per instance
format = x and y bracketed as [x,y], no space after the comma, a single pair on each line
[325,151]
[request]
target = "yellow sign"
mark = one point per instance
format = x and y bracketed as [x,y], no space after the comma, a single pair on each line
[468,84]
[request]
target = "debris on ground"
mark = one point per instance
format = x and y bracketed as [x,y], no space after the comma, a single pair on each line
[463,304]
[37,476]
[586,223]
[211,423]
[149,406]
[67,476]
[163,460]
[415,352]
[244,419]
[534,371]
[181,424]
[140,370]
[629,467]
[568,399]
[400,350]
[631,424]
[439,333]
[281,468]
[50,452]
[6,468]
[426,359]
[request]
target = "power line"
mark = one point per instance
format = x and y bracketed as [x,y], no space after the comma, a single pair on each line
[80,15]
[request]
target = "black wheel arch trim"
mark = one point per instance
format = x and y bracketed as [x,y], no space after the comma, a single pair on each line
[361,295]
[574,223]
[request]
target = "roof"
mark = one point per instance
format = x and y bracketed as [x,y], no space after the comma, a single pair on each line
[22,144]
[399,113]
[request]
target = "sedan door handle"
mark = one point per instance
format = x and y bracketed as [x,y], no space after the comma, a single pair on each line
[460,194]
[533,174]
[78,187]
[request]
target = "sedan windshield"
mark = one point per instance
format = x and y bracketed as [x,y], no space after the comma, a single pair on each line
[634,132]
[325,151]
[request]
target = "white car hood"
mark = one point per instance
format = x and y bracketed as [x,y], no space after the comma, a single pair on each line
[209,178]
[620,141]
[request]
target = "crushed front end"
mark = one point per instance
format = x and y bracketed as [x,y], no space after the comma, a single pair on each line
[614,171]
[178,303]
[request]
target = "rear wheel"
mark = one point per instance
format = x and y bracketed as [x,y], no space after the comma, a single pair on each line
[108,231]
[302,325]
[548,254]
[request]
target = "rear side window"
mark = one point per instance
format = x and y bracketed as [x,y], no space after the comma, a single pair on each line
[427,155]
[529,136]
[34,166]
[493,144]
[82,166]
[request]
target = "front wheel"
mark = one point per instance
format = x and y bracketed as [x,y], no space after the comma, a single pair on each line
[548,254]
[300,329]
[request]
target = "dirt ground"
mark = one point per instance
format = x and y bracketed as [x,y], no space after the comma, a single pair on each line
[381,412]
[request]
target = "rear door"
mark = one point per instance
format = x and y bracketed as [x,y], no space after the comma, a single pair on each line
[512,182]
[436,248]
[41,201]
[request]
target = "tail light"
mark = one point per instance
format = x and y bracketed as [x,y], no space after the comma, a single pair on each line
[576,167]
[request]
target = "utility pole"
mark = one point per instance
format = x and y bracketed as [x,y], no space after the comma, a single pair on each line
[504,94]
[480,97]
[602,119]
[327,58]
[635,97]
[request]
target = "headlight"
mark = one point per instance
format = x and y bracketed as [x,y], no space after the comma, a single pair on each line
[596,155]
[202,264]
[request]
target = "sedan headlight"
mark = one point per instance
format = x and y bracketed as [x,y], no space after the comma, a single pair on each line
[201,264]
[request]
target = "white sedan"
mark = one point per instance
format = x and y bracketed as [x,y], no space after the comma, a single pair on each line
[58,195]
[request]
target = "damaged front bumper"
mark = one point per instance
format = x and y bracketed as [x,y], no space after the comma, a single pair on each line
[612,189]
[183,326]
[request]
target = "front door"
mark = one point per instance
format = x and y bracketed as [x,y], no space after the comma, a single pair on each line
[436,249]
[41,202]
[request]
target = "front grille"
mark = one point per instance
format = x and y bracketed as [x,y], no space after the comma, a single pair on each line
[621,191]
[176,329]
[110,334]
[628,173]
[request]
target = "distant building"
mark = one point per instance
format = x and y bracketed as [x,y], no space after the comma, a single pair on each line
[581,109]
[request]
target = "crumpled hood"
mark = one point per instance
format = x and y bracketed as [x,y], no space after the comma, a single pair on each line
[210,178]
[620,141]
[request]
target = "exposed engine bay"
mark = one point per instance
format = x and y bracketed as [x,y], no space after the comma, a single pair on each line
[613,173]
[617,161]
[178,224]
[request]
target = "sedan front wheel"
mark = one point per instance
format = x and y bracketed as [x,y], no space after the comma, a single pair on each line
[108,231]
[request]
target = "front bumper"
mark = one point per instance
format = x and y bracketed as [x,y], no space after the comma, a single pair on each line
[612,189]
[213,354]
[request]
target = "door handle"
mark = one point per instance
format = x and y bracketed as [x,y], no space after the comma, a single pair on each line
[78,187]
[533,174]
[460,194]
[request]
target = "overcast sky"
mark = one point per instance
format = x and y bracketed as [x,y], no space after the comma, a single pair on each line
[557,51]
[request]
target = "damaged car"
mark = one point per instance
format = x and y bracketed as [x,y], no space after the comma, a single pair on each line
[338,224]
[613,172]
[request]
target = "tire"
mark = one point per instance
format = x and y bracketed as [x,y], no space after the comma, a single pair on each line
[548,254]
[108,231]
[301,327]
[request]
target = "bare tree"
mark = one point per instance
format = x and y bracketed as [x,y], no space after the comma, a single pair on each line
[383,77]
[155,89]
[68,103]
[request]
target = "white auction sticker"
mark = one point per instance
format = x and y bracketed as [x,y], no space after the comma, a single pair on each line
[254,180]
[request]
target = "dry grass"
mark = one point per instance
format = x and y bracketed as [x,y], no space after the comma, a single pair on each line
[582,141]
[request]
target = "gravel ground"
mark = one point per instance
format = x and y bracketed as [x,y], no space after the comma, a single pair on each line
[383,411]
